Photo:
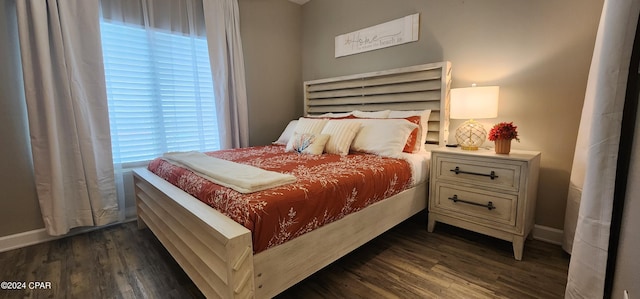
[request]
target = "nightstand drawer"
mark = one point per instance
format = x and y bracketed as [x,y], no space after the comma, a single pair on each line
[483,205]
[483,172]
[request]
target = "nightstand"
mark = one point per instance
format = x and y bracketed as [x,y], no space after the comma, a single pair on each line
[485,192]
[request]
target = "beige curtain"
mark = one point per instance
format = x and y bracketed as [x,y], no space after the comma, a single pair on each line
[227,67]
[589,204]
[184,16]
[67,110]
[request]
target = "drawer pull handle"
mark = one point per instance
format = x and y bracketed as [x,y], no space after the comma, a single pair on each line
[457,170]
[489,205]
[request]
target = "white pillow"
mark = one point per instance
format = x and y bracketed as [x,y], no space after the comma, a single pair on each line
[332,115]
[306,143]
[342,133]
[385,137]
[287,133]
[424,121]
[310,125]
[371,114]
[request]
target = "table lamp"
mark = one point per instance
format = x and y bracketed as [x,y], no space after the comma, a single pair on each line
[473,103]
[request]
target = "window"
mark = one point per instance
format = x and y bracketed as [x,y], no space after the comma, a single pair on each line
[160,93]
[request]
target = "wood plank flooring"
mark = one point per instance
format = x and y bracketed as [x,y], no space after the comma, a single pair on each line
[406,262]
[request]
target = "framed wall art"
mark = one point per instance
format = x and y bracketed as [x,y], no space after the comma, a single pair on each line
[392,33]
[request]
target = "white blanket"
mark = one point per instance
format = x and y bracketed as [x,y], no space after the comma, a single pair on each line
[240,177]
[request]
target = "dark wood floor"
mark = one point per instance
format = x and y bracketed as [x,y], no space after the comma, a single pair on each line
[406,262]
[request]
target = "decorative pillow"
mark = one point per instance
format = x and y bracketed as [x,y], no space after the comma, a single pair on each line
[385,137]
[306,143]
[287,133]
[413,141]
[342,133]
[424,123]
[310,125]
[371,114]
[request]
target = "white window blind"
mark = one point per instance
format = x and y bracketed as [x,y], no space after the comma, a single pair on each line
[160,93]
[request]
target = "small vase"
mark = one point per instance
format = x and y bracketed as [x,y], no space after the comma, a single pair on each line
[503,146]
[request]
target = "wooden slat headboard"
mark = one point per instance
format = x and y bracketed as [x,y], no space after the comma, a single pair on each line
[416,87]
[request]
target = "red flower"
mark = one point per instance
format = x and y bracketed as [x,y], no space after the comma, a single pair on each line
[504,130]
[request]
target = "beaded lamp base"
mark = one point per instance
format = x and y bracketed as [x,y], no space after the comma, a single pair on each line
[470,135]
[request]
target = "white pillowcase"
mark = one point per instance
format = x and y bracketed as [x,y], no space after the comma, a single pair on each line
[384,137]
[310,125]
[306,143]
[371,114]
[342,133]
[287,133]
[424,121]
[332,115]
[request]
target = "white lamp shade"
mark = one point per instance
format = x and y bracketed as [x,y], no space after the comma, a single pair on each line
[474,102]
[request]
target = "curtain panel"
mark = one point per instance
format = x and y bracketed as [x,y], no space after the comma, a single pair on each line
[178,16]
[67,111]
[590,199]
[222,20]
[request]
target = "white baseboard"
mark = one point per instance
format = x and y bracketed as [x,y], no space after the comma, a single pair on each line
[25,239]
[548,234]
[37,236]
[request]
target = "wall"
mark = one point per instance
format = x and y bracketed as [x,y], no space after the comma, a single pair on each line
[538,52]
[271,35]
[19,209]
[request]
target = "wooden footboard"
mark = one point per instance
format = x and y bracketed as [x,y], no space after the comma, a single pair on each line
[212,249]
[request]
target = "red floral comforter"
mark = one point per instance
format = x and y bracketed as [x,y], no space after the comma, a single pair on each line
[328,187]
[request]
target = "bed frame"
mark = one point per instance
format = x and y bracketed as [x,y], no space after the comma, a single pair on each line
[217,252]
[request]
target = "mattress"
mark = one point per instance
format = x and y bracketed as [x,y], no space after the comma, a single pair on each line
[328,187]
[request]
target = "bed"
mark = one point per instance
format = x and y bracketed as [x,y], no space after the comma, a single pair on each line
[217,252]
